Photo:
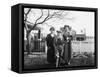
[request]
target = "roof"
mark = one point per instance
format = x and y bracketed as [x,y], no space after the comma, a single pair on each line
[80,35]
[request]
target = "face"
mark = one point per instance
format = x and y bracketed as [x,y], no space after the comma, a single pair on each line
[67,29]
[59,34]
[52,31]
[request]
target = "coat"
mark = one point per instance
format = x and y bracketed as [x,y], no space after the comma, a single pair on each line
[50,49]
[67,48]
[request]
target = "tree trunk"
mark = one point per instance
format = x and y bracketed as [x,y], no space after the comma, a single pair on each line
[28,43]
[28,40]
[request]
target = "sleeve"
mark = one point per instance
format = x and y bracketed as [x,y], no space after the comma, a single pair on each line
[47,38]
[64,37]
[55,41]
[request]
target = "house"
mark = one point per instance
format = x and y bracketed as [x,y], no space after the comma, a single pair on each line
[79,37]
[35,39]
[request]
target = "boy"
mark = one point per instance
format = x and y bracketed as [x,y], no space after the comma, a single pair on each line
[59,47]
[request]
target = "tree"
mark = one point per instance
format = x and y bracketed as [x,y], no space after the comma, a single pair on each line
[45,16]
[27,29]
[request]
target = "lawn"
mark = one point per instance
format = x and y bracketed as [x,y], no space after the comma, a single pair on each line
[40,60]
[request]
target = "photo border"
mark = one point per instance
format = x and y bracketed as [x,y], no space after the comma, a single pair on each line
[38,6]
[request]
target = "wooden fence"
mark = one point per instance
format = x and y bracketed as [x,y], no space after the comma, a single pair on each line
[82,46]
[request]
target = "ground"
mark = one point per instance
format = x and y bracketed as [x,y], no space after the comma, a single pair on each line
[36,61]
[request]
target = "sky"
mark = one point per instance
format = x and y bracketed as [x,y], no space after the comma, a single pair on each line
[78,20]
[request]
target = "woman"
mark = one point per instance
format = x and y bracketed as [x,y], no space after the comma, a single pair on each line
[67,46]
[50,46]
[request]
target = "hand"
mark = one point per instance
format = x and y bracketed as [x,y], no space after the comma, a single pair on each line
[62,53]
[57,55]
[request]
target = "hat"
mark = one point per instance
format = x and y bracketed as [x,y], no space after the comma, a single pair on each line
[66,26]
[52,28]
[58,31]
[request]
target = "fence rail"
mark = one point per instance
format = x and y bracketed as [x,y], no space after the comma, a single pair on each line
[82,46]
[36,46]
[77,46]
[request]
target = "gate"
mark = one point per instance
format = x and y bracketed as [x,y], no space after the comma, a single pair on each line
[39,46]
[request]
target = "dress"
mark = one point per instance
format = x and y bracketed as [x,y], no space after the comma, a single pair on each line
[67,48]
[50,49]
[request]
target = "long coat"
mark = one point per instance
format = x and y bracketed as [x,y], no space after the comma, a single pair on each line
[50,49]
[67,48]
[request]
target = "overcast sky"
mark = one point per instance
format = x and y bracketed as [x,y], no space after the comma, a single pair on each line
[78,20]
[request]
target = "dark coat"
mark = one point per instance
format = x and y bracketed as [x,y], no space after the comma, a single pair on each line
[67,48]
[50,49]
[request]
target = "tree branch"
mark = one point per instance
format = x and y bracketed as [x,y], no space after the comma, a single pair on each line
[55,14]
[39,17]
[45,18]
[27,12]
[26,18]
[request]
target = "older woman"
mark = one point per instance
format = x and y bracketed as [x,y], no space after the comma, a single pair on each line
[67,47]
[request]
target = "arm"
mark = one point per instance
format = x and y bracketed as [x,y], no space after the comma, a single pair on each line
[55,45]
[62,49]
[47,40]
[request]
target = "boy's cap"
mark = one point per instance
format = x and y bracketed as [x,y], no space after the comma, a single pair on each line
[58,31]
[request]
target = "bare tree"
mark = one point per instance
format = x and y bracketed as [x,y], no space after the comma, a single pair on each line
[26,27]
[48,16]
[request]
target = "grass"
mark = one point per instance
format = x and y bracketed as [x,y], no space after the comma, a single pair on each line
[40,60]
